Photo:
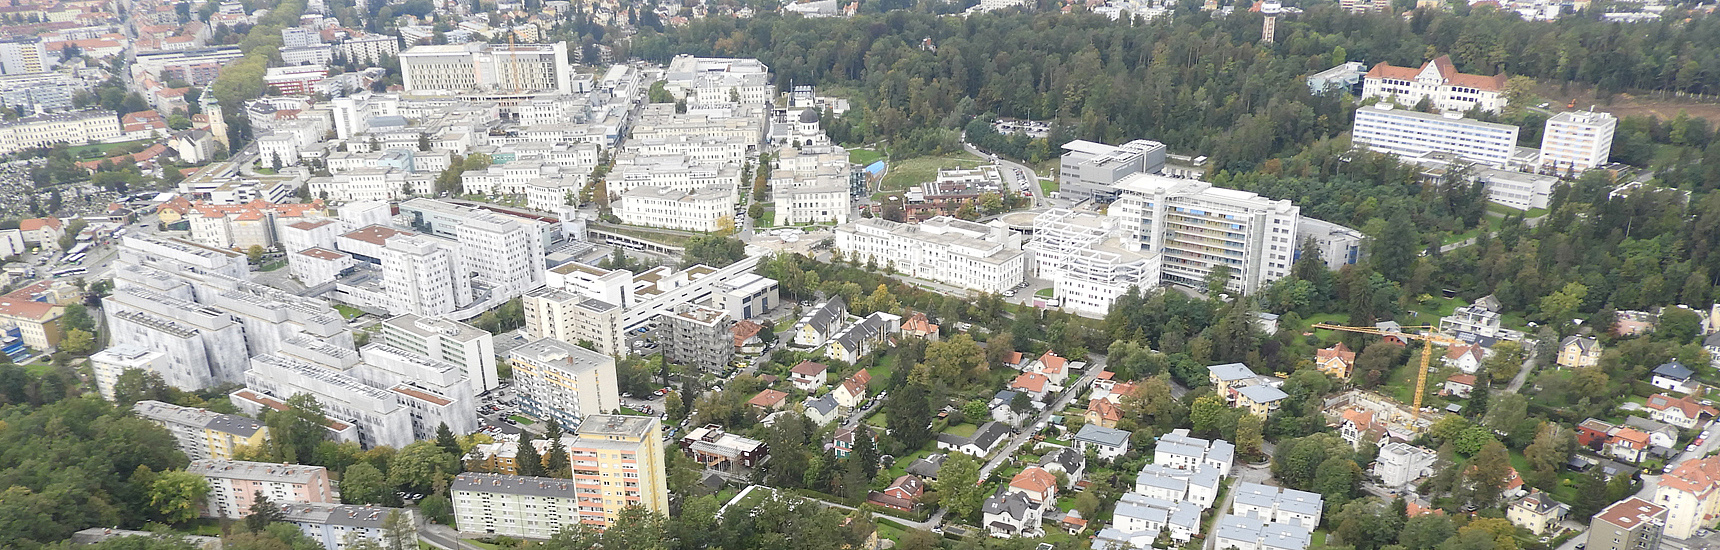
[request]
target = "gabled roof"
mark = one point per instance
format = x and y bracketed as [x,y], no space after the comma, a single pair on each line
[1686,406]
[927,467]
[1465,379]
[1456,352]
[1585,344]
[745,330]
[1012,504]
[1067,457]
[987,434]
[1694,476]
[824,405]
[1339,352]
[910,483]
[1030,381]
[1052,362]
[808,368]
[768,398]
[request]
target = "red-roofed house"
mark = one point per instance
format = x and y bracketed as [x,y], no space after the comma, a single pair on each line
[1039,485]
[1685,413]
[1103,413]
[143,125]
[919,326]
[853,390]
[1438,82]
[1459,385]
[1691,494]
[808,376]
[1465,358]
[1628,444]
[747,338]
[45,232]
[1035,384]
[38,321]
[901,494]
[1052,366]
[1336,361]
[768,400]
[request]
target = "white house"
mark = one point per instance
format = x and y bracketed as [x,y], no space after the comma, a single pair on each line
[984,439]
[1178,450]
[808,376]
[1276,505]
[1108,443]
[1009,514]
[1674,376]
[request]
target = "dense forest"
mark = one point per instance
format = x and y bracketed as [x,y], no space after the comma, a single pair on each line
[1196,83]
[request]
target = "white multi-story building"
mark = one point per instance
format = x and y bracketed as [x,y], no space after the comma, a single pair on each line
[299,37]
[449,341]
[1382,128]
[1338,245]
[675,172]
[377,415]
[505,252]
[1439,83]
[707,210]
[73,128]
[1082,255]
[109,363]
[317,266]
[1691,495]
[617,462]
[1277,505]
[24,57]
[234,483]
[986,258]
[1178,450]
[359,184]
[1195,228]
[370,49]
[475,66]
[1400,464]
[425,276]
[563,381]
[704,80]
[202,433]
[1248,533]
[335,525]
[1575,141]
[1089,169]
[573,318]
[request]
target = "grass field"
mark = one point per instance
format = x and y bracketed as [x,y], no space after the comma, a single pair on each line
[1493,224]
[649,235]
[348,312]
[911,172]
[864,157]
[39,368]
[964,429]
[1046,293]
[769,218]
[521,420]
[1048,187]
[103,148]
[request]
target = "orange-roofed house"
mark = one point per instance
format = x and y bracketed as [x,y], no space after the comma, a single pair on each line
[1437,81]
[1465,357]
[1628,444]
[1038,485]
[917,325]
[747,338]
[1682,412]
[768,400]
[852,391]
[1104,413]
[1691,494]
[1035,384]
[1051,365]
[45,232]
[1337,361]
[901,494]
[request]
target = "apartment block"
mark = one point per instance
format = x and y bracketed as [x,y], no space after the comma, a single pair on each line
[1575,141]
[617,461]
[698,336]
[1248,533]
[425,276]
[981,257]
[1629,524]
[1438,83]
[109,363]
[335,525]
[569,317]
[1338,245]
[1690,494]
[460,68]
[1083,255]
[563,381]
[234,483]
[72,128]
[377,415]
[37,322]
[202,433]
[505,252]
[746,296]
[1382,128]
[1092,170]
[705,210]
[1278,505]
[716,80]
[448,341]
[1195,228]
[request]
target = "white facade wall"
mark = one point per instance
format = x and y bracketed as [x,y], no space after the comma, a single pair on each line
[1577,140]
[1195,227]
[947,250]
[424,275]
[701,210]
[1406,133]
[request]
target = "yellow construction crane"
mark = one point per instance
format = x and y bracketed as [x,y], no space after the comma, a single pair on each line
[1428,338]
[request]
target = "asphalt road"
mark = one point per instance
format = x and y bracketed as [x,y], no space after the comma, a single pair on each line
[1027,181]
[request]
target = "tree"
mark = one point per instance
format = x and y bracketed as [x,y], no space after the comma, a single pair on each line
[1217,280]
[176,495]
[254,253]
[958,486]
[555,462]
[865,450]
[420,466]
[294,433]
[1248,438]
[1547,454]
[362,483]
[1505,362]
[527,462]
[1558,308]
[398,532]
[264,512]
[78,342]
[908,415]
[713,250]
[445,439]
[1209,415]
[1488,472]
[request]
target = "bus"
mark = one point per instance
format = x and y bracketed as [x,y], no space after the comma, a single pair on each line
[70,271]
[74,258]
[79,249]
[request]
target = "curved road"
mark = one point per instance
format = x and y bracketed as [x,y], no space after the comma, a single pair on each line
[1027,181]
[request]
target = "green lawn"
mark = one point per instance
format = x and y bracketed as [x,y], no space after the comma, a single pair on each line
[964,429]
[1493,224]
[901,465]
[39,368]
[630,411]
[272,266]
[769,219]
[348,312]
[864,157]
[877,420]
[1318,540]
[882,371]
[1046,293]
[521,420]
[1048,187]
[103,148]
[911,172]
[649,235]
[753,498]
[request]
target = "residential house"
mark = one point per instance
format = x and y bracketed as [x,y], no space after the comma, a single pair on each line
[1660,434]
[818,325]
[1039,485]
[1629,524]
[1198,486]
[984,439]
[852,391]
[769,400]
[747,339]
[1101,412]
[1272,504]
[1260,400]
[862,337]
[1393,333]
[1712,344]
[1628,444]
[1055,368]
[1674,376]
[1009,514]
[1578,351]
[842,441]
[1140,518]
[1357,426]
[1691,495]
[1465,357]
[918,326]
[1538,513]
[1015,360]
[808,376]
[902,493]
[1479,320]
[1459,385]
[1229,377]
[1178,450]
[723,452]
[1336,361]
[1072,463]
[1248,533]
[1107,443]
[1033,384]
[1073,522]
[927,468]
[1004,409]
[823,410]
[1399,464]
[1685,413]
